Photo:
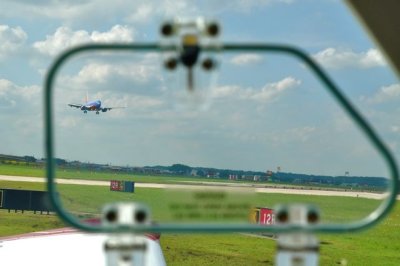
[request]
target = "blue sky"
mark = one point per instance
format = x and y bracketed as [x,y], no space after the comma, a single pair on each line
[264,111]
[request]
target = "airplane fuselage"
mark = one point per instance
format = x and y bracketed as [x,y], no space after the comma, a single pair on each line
[92,106]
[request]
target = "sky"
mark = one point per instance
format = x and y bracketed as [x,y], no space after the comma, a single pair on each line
[256,111]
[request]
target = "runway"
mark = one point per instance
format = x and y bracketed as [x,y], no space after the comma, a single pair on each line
[207,185]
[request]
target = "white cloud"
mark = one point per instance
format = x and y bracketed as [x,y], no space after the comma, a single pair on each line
[22,109]
[183,8]
[302,134]
[6,101]
[68,122]
[268,92]
[117,33]
[98,73]
[65,37]
[139,102]
[143,13]
[372,58]
[162,9]
[73,12]
[247,5]
[63,10]
[384,94]
[9,89]
[225,91]
[340,58]
[14,96]
[241,6]
[246,59]
[272,90]
[11,39]
[395,129]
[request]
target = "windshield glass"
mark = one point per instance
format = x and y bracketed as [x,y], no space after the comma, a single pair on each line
[270,135]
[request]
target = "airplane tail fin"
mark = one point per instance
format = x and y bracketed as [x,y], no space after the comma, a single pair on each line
[87,97]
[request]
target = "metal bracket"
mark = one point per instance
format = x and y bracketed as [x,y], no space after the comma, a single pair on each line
[297,248]
[125,249]
[188,65]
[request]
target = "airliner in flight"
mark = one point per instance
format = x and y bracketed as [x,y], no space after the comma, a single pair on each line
[92,106]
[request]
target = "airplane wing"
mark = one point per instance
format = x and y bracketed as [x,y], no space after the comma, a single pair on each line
[105,109]
[75,105]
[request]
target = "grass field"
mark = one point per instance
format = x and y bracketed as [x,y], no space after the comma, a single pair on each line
[378,246]
[20,170]
[90,199]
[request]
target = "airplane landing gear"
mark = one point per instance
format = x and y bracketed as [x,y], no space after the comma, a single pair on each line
[85,112]
[97,112]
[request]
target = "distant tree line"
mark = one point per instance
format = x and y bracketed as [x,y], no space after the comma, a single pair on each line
[379,183]
[350,181]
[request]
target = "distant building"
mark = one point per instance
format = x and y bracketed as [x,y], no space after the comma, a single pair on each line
[233,177]
[248,177]
[193,172]
[212,175]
